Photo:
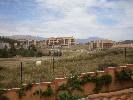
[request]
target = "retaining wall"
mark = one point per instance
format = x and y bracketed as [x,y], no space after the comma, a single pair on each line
[88,88]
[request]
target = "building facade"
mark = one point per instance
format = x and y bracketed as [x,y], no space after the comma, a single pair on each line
[41,43]
[123,45]
[4,45]
[26,43]
[101,44]
[60,41]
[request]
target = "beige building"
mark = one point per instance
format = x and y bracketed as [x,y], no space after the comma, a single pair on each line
[60,41]
[121,45]
[26,43]
[41,43]
[101,44]
[3,45]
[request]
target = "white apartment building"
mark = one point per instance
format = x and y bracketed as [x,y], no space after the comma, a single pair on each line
[3,45]
[101,44]
[60,41]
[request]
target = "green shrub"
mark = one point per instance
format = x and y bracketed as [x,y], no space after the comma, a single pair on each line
[97,88]
[48,92]
[105,65]
[21,92]
[28,87]
[66,96]
[63,96]
[101,81]
[106,79]
[4,98]
[73,97]
[38,92]
[62,87]
[73,83]
[123,75]
[2,92]
[87,79]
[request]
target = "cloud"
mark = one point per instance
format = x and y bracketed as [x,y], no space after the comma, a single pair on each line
[80,18]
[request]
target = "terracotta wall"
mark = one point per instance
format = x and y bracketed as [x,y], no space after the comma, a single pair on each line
[88,88]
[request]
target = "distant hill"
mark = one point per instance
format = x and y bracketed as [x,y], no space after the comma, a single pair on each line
[28,37]
[126,42]
[82,41]
[7,40]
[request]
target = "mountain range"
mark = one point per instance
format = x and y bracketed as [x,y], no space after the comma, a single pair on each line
[29,37]
[82,41]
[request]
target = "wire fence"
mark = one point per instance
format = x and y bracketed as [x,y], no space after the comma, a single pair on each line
[10,70]
[11,76]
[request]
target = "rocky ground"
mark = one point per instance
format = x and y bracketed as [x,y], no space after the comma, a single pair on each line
[126,94]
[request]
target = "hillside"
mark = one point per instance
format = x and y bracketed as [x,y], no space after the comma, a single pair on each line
[82,41]
[30,37]
[7,40]
[27,37]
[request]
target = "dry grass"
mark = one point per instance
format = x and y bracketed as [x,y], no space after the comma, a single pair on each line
[78,62]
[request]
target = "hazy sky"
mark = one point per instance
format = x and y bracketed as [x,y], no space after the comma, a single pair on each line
[111,19]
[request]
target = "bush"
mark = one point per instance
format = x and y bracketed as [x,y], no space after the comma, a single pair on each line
[105,65]
[48,92]
[130,61]
[123,75]
[73,83]
[73,97]
[87,79]
[101,81]
[66,96]
[106,79]
[4,98]
[97,88]
[31,52]
[63,96]
[21,92]
[2,92]
[62,87]
[37,92]
[28,87]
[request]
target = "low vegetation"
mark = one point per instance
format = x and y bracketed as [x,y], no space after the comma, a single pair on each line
[124,75]
[76,83]
[63,65]
[101,81]
[46,93]
[66,96]
[2,96]
[11,52]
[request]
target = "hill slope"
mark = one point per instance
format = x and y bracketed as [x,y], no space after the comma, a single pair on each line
[82,41]
[27,37]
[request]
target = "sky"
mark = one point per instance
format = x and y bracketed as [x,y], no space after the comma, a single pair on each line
[112,19]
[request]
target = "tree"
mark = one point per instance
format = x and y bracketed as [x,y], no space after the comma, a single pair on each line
[4,52]
[13,50]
